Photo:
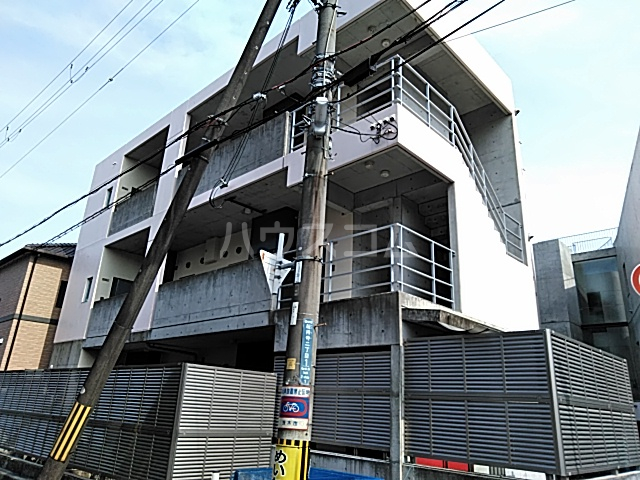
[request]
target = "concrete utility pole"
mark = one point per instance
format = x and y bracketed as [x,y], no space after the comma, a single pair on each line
[291,456]
[56,463]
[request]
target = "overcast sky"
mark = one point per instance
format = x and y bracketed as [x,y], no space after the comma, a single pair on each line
[575,72]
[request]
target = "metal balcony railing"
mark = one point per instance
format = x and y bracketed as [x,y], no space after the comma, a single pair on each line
[399,83]
[384,259]
[588,242]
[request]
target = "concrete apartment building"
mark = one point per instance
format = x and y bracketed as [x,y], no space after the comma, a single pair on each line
[437,208]
[428,278]
[584,283]
[33,281]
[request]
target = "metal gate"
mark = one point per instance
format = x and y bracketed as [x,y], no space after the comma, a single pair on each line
[161,422]
[526,400]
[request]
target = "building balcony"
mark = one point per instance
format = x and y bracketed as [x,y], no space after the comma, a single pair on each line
[392,258]
[398,83]
[102,316]
[232,298]
[138,207]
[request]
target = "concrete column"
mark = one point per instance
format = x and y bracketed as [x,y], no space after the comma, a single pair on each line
[556,293]
[396,451]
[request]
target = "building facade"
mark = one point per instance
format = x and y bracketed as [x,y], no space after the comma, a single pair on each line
[435,203]
[33,283]
[425,225]
[584,283]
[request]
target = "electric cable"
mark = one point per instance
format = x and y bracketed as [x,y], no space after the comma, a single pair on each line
[512,20]
[84,69]
[299,104]
[226,176]
[6,126]
[111,79]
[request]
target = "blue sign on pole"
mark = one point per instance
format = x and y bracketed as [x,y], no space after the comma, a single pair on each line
[305,354]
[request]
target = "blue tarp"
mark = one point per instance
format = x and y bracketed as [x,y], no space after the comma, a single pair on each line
[314,474]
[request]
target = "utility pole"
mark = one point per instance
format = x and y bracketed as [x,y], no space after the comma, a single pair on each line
[291,455]
[66,441]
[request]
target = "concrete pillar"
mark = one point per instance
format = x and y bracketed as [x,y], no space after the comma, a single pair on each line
[556,293]
[396,451]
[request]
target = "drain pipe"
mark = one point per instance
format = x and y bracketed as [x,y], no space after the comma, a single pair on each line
[34,260]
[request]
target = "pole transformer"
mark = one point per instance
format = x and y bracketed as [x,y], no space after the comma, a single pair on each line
[66,441]
[291,452]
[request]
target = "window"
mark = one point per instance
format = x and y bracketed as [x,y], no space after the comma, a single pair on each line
[108,196]
[87,290]
[62,290]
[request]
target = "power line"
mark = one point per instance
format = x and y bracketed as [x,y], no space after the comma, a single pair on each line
[111,79]
[5,127]
[299,104]
[83,70]
[513,20]
[94,190]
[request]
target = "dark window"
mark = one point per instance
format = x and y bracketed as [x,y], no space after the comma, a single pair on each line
[594,302]
[120,286]
[62,290]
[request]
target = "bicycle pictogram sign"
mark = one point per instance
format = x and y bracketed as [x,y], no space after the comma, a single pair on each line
[294,407]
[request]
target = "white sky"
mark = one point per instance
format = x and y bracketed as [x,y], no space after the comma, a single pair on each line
[575,72]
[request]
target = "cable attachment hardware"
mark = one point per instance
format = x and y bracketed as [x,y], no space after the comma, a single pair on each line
[259,97]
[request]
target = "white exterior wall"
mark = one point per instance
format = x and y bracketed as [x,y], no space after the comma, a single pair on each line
[491,286]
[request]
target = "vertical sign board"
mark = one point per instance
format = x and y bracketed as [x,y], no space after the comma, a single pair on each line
[305,352]
[635,279]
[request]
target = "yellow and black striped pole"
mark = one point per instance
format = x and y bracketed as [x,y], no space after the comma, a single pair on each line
[70,432]
[198,159]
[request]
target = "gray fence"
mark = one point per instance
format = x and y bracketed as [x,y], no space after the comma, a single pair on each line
[532,400]
[352,399]
[150,423]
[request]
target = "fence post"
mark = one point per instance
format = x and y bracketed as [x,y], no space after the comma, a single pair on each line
[433,272]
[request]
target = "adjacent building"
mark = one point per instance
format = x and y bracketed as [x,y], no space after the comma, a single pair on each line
[584,283]
[33,282]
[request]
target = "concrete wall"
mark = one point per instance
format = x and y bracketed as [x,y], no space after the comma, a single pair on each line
[493,136]
[102,315]
[628,246]
[135,209]
[557,296]
[340,224]
[234,298]
[264,144]
[350,323]
[231,250]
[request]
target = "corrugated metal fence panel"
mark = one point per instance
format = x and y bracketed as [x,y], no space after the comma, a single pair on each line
[127,436]
[597,421]
[480,399]
[225,422]
[352,399]
[130,433]
[33,407]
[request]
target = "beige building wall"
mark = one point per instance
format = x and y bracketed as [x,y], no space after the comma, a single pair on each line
[34,341]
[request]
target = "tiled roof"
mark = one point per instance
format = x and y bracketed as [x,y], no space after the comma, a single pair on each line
[60,249]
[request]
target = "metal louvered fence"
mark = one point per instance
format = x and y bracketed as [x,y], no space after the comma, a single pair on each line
[528,400]
[352,405]
[160,422]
